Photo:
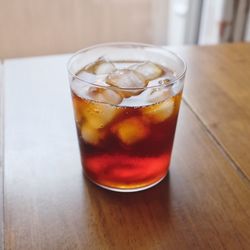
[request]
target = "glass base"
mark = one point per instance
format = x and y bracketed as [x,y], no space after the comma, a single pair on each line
[127,190]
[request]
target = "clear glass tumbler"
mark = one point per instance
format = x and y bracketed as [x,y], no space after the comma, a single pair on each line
[126,99]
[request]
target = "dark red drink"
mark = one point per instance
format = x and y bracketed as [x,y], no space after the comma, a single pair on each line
[125,133]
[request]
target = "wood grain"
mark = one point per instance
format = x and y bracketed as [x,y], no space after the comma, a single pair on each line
[202,204]
[1,155]
[218,90]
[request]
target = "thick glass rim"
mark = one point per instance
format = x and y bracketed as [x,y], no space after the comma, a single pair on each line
[171,82]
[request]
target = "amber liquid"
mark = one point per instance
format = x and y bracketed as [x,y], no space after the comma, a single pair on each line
[118,162]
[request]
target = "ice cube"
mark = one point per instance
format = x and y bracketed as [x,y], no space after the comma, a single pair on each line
[159,112]
[159,94]
[100,66]
[91,135]
[130,130]
[94,119]
[99,94]
[99,115]
[104,95]
[149,70]
[127,78]
[103,67]
[80,84]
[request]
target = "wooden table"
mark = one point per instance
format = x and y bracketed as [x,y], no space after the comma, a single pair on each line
[204,203]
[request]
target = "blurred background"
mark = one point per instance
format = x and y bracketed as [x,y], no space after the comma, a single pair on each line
[39,27]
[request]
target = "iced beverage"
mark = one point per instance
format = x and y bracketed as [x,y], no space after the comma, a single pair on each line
[126,101]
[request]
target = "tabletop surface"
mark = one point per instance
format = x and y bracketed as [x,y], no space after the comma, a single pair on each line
[204,203]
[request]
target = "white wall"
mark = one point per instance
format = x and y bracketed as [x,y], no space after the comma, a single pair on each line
[183,21]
